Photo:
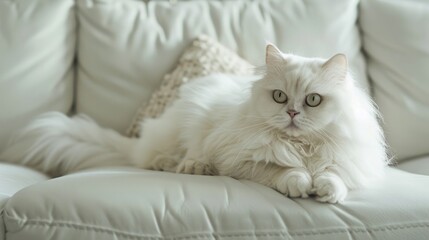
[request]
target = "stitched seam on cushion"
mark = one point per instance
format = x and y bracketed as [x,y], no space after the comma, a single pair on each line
[78,226]
[131,235]
[392,227]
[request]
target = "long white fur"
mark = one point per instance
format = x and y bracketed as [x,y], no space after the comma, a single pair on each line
[228,125]
[232,126]
[56,144]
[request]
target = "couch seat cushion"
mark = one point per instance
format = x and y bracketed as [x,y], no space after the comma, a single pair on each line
[121,203]
[418,165]
[12,179]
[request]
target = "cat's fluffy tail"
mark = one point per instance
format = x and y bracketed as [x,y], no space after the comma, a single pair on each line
[56,144]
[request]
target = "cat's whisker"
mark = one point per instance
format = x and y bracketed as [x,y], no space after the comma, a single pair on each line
[322,134]
[319,132]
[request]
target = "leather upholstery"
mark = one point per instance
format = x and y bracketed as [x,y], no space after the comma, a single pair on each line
[419,165]
[37,48]
[121,203]
[396,36]
[13,179]
[122,49]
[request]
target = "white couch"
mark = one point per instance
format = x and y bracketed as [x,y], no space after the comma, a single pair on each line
[104,57]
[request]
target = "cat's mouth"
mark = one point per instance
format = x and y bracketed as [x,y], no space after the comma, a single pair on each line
[292,129]
[292,125]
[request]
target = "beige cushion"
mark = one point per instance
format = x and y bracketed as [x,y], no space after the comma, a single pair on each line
[203,57]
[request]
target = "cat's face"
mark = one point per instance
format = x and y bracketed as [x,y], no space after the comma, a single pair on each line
[300,96]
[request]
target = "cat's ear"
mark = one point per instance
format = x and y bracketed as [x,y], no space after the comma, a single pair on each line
[337,66]
[273,54]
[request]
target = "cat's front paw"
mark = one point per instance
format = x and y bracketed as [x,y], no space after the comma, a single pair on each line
[189,166]
[329,188]
[294,183]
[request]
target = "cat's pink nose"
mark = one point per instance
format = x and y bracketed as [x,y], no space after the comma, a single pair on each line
[292,113]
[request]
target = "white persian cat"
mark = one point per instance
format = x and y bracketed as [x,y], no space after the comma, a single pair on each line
[303,128]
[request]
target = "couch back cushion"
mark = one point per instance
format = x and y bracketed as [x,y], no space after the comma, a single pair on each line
[37,48]
[125,47]
[396,40]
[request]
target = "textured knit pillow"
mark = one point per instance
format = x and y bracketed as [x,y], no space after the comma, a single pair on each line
[205,56]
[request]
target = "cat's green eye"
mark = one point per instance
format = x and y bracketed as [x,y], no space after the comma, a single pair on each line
[313,100]
[279,96]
